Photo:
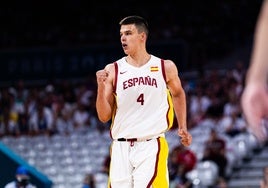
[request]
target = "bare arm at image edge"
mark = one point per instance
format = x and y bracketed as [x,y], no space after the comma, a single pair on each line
[255,95]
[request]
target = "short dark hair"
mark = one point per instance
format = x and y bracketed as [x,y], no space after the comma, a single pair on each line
[138,21]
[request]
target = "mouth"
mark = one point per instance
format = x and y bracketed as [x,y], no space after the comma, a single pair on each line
[124,45]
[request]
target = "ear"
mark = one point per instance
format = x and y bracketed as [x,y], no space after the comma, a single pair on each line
[143,36]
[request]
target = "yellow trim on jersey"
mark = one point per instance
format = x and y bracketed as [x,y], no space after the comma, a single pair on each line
[161,180]
[170,113]
[109,179]
[114,110]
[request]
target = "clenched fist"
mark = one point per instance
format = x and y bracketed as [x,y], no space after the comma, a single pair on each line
[186,137]
[101,76]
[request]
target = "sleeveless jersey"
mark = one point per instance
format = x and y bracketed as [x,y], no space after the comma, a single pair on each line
[144,107]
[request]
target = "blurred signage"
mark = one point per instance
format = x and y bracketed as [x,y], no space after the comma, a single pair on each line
[34,64]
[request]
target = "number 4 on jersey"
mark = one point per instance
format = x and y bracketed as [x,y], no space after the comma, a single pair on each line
[141,99]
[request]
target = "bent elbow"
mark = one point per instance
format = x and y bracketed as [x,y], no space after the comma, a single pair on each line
[104,115]
[104,119]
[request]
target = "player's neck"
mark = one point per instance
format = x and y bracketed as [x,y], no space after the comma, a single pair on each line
[138,60]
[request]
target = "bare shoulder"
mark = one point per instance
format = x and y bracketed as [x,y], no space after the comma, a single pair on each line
[170,68]
[169,64]
[172,77]
[109,67]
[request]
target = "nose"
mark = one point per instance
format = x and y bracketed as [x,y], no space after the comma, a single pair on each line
[123,38]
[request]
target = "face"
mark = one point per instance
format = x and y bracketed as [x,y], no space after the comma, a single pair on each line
[130,38]
[22,180]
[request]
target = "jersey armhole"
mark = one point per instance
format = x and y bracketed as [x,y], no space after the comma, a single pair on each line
[115,76]
[163,69]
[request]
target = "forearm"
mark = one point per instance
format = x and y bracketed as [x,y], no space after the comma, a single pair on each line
[258,69]
[179,102]
[103,107]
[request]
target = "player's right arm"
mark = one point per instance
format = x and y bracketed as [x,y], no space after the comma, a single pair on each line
[105,98]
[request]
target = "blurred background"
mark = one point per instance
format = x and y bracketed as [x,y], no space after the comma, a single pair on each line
[50,51]
[41,40]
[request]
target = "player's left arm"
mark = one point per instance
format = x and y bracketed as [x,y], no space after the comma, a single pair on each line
[179,100]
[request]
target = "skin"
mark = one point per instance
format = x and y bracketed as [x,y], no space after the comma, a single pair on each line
[264,181]
[134,46]
[254,99]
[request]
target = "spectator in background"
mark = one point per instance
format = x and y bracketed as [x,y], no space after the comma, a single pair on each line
[198,105]
[239,72]
[23,124]
[212,117]
[31,101]
[181,161]
[233,124]
[255,96]
[41,120]
[81,118]
[232,105]
[22,179]
[215,150]
[89,181]
[64,120]
[106,164]
[8,122]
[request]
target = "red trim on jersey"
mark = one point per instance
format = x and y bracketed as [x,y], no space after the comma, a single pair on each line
[116,75]
[163,69]
[156,164]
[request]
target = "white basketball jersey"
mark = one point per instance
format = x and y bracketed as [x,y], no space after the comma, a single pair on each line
[143,102]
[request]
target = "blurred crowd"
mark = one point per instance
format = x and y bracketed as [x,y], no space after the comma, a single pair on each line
[58,108]
[54,108]
[213,103]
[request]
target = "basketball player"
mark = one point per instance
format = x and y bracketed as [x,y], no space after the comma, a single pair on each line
[255,94]
[137,93]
